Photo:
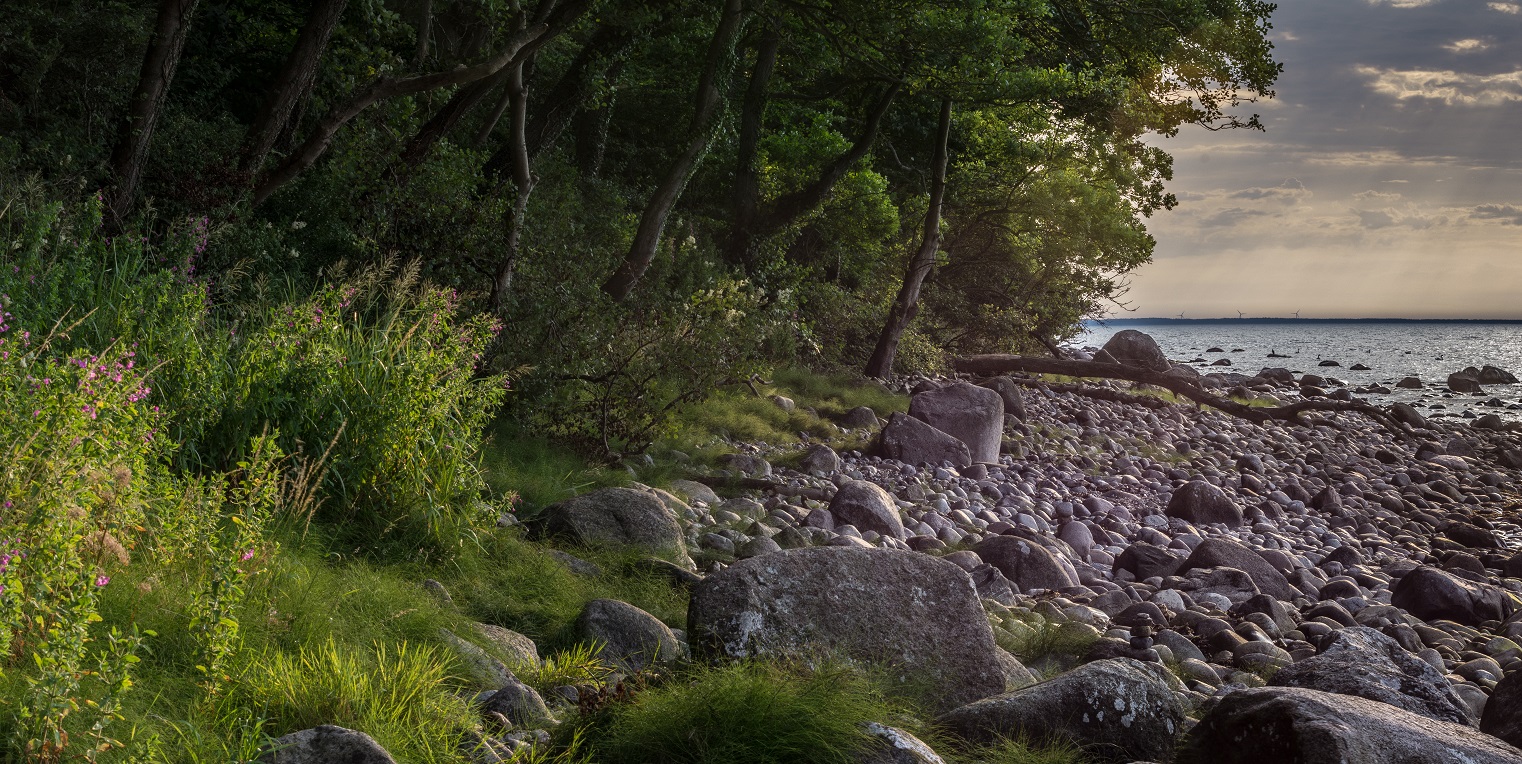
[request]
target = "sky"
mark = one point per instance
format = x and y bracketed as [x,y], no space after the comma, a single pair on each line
[1388,182]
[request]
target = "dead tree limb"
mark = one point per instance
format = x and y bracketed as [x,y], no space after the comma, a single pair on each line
[1001,364]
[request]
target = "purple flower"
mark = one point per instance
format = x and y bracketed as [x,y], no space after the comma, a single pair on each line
[102,580]
[247,555]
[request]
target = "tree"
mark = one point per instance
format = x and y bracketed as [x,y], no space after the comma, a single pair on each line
[135,137]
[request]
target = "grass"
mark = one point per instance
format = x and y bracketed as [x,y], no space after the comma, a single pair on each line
[537,471]
[746,713]
[704,429]
[1017,751]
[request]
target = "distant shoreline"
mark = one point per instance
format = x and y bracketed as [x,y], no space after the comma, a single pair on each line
[1265,320]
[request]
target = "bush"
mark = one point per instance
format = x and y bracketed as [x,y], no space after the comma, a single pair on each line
[745,713]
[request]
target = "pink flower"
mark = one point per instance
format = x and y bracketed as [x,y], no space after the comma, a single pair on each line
[247,555]
[102,580]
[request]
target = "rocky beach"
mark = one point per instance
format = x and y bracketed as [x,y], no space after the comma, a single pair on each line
[1185,585]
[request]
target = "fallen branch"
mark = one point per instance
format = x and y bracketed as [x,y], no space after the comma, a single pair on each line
[1000,364]
[761,484]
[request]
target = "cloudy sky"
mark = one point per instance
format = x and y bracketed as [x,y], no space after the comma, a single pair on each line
[1388,182]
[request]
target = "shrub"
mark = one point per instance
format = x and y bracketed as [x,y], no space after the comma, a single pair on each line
[744,713]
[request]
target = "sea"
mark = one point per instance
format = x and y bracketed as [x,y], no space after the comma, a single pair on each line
[1392,349]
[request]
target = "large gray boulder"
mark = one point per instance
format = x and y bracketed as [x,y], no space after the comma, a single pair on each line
[630,638]
[911,441]
[971,414]
[1200,502]
[519,704]
[1362,662]
[1430,594]
[514,648]
[326,744]
[1014,402]
[619,517]
[1134,348]
[1220,553]
[1503,712]
[1118,709]
[867,507]
[1491,375]
[1027,564]
[1272,725]
[915,613]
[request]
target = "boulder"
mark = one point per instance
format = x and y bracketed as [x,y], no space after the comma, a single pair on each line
[1014,403]
[1430,594]
[819,459]
[521,705]
[1503,712]
[1119,709]
[911,441]
[1270,725]
[971,414]
[1027,564]
[692,490]
[326,744]
[1147,560]
[911,611]
[1409,383]
[1364,663]
[1200,502]
[1406,414]
[867,507]
[1490,375]
[619,517]
[860,417]
[514,648]
[630,638]
[891,745]
[1134,348]
[1464,382]
[480,668]
[1218,552]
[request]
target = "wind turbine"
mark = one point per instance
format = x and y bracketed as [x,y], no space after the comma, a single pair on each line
[1239,315]
[1297,314]
[1181,314]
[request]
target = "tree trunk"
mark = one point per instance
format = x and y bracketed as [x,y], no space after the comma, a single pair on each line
[705,123]
[747,192]
[379,90]
[790,207]
[441,123]
[292,85]
[159,63]
[908,302]
[424,33]
[523,178]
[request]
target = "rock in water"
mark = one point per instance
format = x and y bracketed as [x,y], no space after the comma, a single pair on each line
[1218,552]
[1134,348]
[1362,662]
[1464,382]
[1409,383]
[631,639]
[326,744]
[867,507]
[1028,564]
[916,613]
[911,441]
[1430,594]
[1121,709]
[1271,725]
[619,517]
[1491,375]
[1200,502]
[971,414]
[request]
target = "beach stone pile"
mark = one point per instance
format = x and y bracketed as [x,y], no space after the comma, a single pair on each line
[1325,590]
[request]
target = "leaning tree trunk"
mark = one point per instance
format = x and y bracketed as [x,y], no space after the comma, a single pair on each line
[523,178]
[907,303]
[705,123]
[747,191]
[131,151]
[292,85]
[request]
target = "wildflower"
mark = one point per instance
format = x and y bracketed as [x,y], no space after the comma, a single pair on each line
[247,555]
[102,580]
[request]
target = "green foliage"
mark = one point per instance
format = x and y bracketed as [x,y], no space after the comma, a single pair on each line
[1017,751]
[744,713]
[579,664]
[398,694]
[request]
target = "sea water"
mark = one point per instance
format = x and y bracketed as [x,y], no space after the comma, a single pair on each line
[1428,350]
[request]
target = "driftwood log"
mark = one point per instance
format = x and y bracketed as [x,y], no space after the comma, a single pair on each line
[989,365]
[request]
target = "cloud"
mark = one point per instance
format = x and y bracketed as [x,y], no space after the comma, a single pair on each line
[1469,45]
[1405,3]
[1512,8]
[1446,86]
[1231,216]
[1377,196]
[1288,192]
[1375,219]
[1506,214]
